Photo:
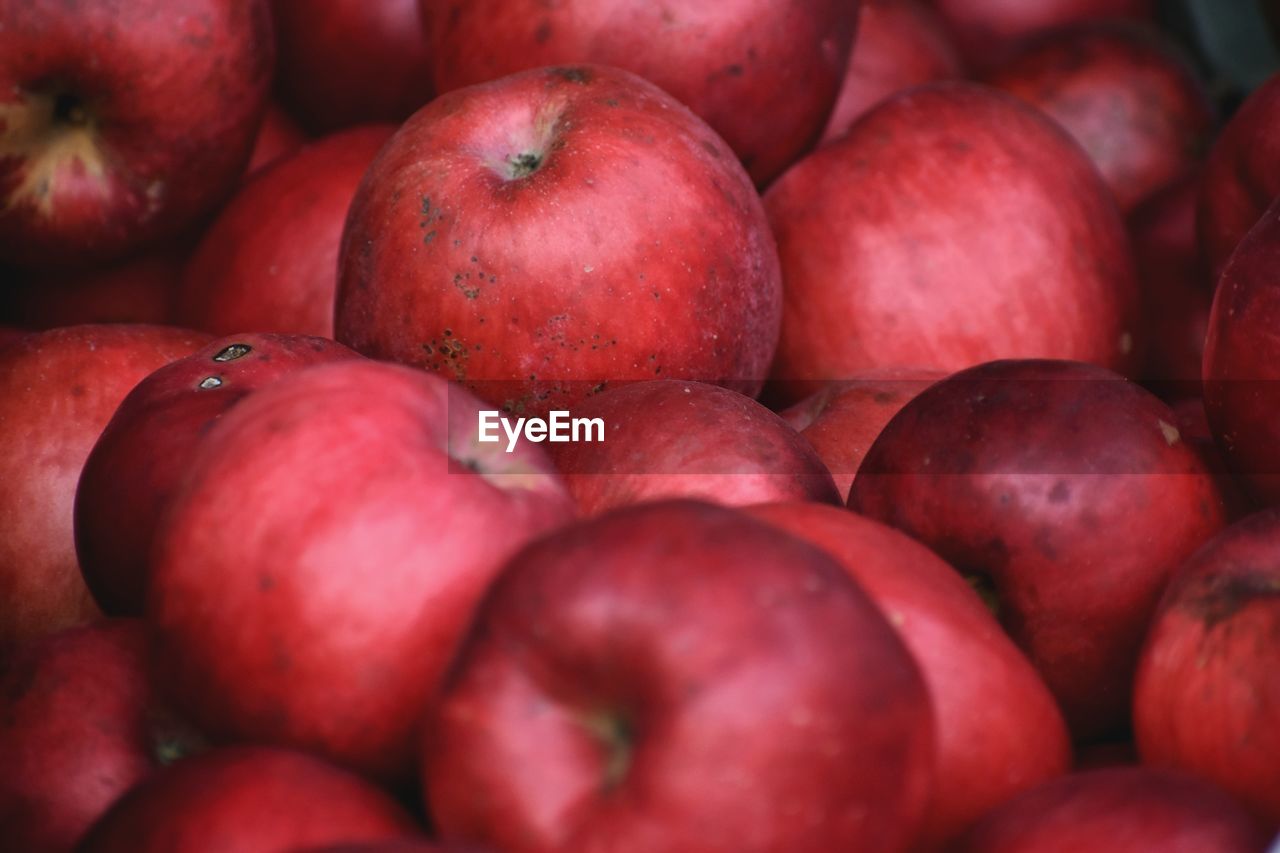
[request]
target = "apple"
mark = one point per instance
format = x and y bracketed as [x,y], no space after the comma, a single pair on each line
[248,798]
[80,725]
[121,124]
[900,44]
[1241,174]
[1126,94]
[763,73]
[321,558]
[679,676]
[952,225]
[667,439]
[1064,491]
[998,729]
[58,389]
[1193,426]
[535,236]
[347,62]
[144,451]
[1120,810]
[269,262]
[1206,698]
[278,136]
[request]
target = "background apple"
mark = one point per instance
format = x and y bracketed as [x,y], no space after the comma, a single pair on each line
[277,136]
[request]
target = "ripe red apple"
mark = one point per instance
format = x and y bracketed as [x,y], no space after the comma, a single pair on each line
[248,799]
[1126,94]
[121,124]
[278,136]
[998,729]
[269,262]
[58,389]
[679,676]
[763,73]
[347,62]
[552,230]
[1241,175]
[953,224]
[1207,699]
[667,439]
[1067,492]
[900,43]
[79,726]
[145,450]
[336,528]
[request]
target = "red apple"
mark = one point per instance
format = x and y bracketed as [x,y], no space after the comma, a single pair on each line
[58,389]
[269,262]
[145,451]
[1126,94]
[666,439]
[679,676]
[1120,810]
[121,124]
[79,726]
[952,225]
[763,73]
[1065,491]
[278,136]
[998,729]
[245,799]
[323,554]
[900,44]
[552,230]
[1207,699]
[346,62]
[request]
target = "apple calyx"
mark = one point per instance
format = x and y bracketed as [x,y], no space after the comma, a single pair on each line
[616,737]
[53,133]
[172,738]
[524,164]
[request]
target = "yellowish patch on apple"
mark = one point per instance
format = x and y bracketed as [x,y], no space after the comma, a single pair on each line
[33,133]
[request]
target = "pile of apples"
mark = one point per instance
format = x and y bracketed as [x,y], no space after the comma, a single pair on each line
[936,345]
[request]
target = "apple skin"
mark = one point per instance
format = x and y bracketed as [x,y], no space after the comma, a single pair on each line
[1206,698]
[704,682]
[900,44]
[348,62]
[1241,174]
[58,389]
[145,450]
[147,129]
[668,439]
[367,525]
[1036,478]
[269,262]
[998,728]
[763,73]
[80,724]
[887,260]
[278,136]
[531,290]
[244,799]
[1126,94]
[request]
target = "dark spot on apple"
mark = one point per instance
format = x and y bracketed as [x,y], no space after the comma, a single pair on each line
[1217,599]
[426,205]
[734,70]
[232,352]
[68,109]
[1060,493]
[431,235]
[581,76]
[266,582]
[210,382]
[612,103]
[543,33]
[78,391]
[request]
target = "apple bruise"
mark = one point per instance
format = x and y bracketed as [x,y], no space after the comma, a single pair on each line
[56,137]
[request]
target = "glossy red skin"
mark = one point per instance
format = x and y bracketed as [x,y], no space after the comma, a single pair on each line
[1126,94]
[1240,361]
[1120,810]
[245,799]
[765,703]
[1039,477]
[531,291]
[1206,698]
[278,136]
[347,62]
[146,448]
[842,419]
[58,389]
[670,439]
[998,729]
[763,73]
[360,549]
[174,91]
[79,726]
[1241,174]
[900,43]
[269,262]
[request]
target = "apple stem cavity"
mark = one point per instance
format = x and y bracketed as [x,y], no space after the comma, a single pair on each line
[986,590]
[616,734]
